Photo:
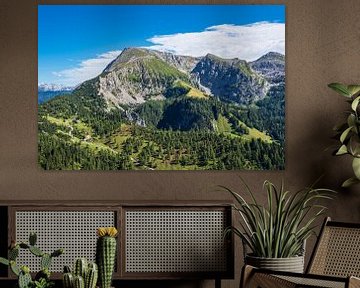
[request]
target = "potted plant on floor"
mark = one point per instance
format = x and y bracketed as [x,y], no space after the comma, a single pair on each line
[349,131]
[276,233]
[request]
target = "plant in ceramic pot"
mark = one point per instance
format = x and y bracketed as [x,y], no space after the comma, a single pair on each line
[349,131]
[275,233]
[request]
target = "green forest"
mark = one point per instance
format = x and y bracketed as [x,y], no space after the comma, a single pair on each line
[79,131]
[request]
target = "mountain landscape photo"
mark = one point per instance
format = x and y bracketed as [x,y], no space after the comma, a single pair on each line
[171,105]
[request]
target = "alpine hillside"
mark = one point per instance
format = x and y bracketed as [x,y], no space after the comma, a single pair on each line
[159,111]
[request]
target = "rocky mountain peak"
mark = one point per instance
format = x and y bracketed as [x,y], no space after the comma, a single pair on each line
[127,55]
[230,79]
[272,56]
[138,75]
[271,66]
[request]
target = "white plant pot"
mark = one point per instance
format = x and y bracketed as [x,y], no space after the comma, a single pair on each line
[291,264]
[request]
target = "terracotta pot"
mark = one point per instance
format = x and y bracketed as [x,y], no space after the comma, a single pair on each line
[291,264]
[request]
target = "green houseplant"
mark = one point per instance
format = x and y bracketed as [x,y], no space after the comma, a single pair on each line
[42,278]
[275,233]
[348,132]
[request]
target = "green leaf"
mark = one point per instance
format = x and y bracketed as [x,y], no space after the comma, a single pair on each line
[356,167]
[353,89]
[355,103]
[349,182]
[345,134]
[351,120]
[354,145]
[342,150]
[340,88]
[4,261]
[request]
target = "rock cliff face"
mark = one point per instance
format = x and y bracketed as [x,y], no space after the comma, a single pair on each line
[231,79]
[271,66]
[139,74]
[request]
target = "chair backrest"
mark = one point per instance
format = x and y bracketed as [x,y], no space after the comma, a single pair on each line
[337,251]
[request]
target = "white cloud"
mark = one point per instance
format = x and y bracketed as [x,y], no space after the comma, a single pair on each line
[247,42]
[86,69]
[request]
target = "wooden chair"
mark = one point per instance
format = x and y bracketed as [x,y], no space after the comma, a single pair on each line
[335,262]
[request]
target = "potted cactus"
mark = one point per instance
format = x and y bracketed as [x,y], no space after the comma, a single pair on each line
[42,278]
[106,254]
[84,275]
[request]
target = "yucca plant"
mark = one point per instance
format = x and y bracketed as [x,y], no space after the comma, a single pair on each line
[279,229]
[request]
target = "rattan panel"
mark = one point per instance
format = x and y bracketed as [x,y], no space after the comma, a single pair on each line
[312,282]
[175,241]
[75,231]
[338,253]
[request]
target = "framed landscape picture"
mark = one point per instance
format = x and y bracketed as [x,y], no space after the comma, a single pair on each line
[161,87]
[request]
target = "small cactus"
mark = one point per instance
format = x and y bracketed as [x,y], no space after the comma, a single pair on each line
[89,272]
[68,280]
[45,261]
[91,276]
[79,282]
[67,269]
[23,273]
[80,268]
[24,280]
[106,254]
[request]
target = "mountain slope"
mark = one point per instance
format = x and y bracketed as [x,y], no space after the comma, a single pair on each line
[271,66]
[138,75]
[154,110]
[230,79]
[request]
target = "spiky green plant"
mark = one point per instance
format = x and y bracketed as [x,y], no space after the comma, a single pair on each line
[279,229]
[349,131]
[106,254]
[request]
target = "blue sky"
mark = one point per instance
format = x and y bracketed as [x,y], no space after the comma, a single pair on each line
[75,42]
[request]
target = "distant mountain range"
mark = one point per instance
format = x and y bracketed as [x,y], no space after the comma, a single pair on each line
[47,91]
[133,114]
[138,74]
[46,87]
